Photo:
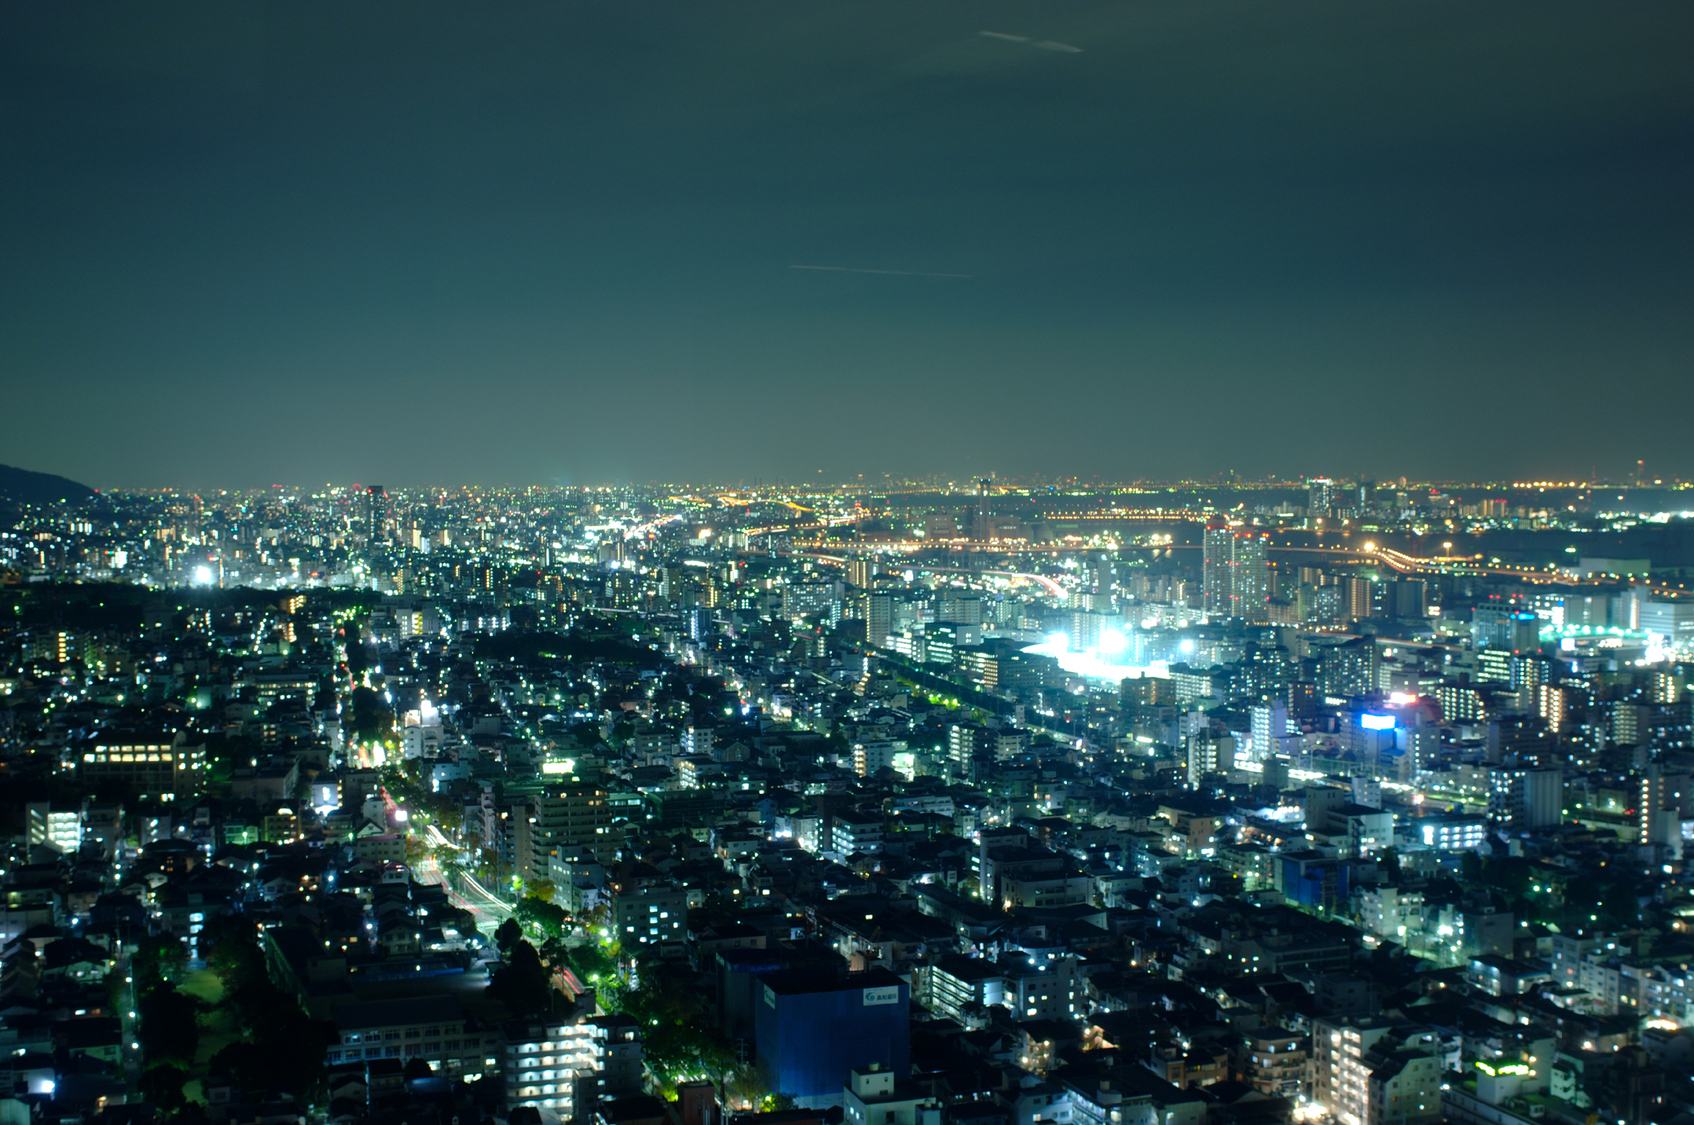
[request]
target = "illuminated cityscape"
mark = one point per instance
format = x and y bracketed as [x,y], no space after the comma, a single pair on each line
[934,564]
[584,799]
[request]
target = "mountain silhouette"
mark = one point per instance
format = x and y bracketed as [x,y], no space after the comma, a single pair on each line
[25,487]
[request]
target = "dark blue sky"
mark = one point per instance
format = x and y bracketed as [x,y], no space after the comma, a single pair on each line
[441,243]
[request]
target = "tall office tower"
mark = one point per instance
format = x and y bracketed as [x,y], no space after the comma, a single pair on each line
[1490,627]
[1525,631]
[972,520]
[376,511]
[1219,547]
[1411,598]
[1249,576]
[1320,497]
[879,619]
[859,572]
[1625,608]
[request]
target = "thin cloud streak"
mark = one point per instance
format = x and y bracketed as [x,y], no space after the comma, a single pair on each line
[895,273]
[1044,45]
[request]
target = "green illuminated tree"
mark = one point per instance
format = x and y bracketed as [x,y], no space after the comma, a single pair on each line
[543,915]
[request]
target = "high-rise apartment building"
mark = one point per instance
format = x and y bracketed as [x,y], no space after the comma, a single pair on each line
[879,619]
[1217,546]
[1664,687]
[1235,572]
[1269,722]
[1666,797]
[545,1063]
[963,742]
[1376,1071]
[573,816]
[959,607]
[1359,596]
[1249,575]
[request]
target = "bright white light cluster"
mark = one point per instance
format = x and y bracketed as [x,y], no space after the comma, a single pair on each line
[1106,661]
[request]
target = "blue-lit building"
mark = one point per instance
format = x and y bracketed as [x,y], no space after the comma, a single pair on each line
[1315,881]
[811,1028]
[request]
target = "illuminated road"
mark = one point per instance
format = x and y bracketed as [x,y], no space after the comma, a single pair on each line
[642,530]
[821,524]
[485,907]
[482,901]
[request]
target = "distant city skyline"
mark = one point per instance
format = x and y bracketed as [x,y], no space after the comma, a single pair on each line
[950,482]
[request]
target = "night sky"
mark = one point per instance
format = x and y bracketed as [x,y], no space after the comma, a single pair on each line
[422,243]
